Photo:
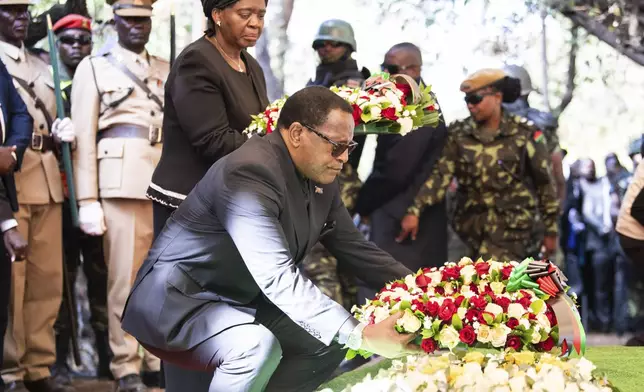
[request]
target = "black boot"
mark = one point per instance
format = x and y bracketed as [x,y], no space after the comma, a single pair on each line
[60,372]
[104,355]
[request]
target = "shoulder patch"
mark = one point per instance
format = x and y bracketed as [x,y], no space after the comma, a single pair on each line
[538,136]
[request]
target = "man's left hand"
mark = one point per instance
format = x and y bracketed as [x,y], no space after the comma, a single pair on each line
[63,130]
[16,245]
[549,246]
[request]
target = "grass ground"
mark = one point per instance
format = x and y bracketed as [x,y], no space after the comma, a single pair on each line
[623,365]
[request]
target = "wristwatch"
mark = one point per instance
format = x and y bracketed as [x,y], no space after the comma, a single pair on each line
[354,341]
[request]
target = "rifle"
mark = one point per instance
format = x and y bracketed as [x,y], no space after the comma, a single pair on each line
[67,162]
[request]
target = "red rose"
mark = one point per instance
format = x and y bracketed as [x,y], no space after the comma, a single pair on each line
[503,302]
[372,319]
[532,316]
[390,113]
[482,268]
[431,108]
[472,314]
[406,90]
[432,308]
[401,285]
[357,112]
[419,305]
[514,342]
[429,345]
[547,344]
[269,126]
[478,302]
[525,301]
[451,273]
[439,290]
[512,323]
[423,280]
[447,310]
[474,288]
[467,335]
[506,272]
[427,271]
[459,300]
[551,317]
[482,319]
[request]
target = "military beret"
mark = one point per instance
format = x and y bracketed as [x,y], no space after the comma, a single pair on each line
[73,21]
[141,8]
[482,78]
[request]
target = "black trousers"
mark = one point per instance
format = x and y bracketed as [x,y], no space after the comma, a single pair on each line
[160,215]
[274,355]
[5,293]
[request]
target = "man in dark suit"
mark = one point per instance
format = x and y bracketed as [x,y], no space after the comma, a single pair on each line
[15,133]
[221,288]
[401,166]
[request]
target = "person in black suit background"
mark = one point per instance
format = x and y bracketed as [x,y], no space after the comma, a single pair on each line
[401,166]
[223,272]
[213,88]
[15,132]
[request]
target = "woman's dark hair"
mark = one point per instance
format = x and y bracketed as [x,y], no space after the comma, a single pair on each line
[509,87]
[211,5]
[311,106]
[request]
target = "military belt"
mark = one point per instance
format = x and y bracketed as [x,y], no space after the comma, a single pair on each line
[153,134]
[42,143]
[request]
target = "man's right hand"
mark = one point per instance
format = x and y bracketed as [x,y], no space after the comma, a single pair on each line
[16,245]
[7,161]
[382,339]
[91,219]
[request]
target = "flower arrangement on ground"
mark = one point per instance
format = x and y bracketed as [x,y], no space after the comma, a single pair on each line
[475,371]
[385,104]
[482,304]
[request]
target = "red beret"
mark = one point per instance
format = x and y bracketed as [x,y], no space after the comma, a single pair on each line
[73,21]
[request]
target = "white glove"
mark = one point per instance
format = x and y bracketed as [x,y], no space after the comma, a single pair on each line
[64,130]
[91,219]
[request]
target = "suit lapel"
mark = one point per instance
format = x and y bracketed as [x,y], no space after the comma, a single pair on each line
[296,198]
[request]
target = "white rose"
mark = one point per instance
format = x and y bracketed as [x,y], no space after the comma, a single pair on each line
[409,322]
[516,311]
[497,287]
[495,266]
[525,323]
[375,112]
[380,314]
[467,272]
[499,335]
[494,309]
[449,289]
[467,292]
[518,384]
[410,281]
[585,368]
[436,277]
[449,337]
[543,321]
[461,313]
[406,125]
[483,334]
[536,337]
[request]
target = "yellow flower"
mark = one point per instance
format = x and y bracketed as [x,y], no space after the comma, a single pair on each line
[483,334]
[524,358]
[474,356]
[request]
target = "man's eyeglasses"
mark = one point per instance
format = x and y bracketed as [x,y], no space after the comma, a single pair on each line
[320,44]
[394,68]
[82,40]
[338,148]
[475,99]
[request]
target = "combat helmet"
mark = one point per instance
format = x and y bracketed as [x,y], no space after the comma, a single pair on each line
[520,73]
[336,30]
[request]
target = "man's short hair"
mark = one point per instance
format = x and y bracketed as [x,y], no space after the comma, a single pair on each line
[311,106]
[407,46]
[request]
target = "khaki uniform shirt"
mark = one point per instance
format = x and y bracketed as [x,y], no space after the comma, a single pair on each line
[115,167]
[38,181]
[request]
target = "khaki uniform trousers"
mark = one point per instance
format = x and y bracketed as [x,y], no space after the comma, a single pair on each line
[36,293]
[127,241]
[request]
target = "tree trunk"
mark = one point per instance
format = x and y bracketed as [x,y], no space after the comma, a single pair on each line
[544,56]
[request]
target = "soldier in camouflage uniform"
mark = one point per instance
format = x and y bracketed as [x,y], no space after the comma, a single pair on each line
[502,167]
[334,43]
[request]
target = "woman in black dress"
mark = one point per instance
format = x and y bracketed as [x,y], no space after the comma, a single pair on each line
[212,90]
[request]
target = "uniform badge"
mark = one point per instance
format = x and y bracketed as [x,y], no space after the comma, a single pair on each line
[318,190]
[538,136]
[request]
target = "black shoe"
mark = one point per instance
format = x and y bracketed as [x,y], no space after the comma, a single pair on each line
[62,374]
[15,386]
[636,341]
[48,384]
[130,383]
[104,355]
[151,379]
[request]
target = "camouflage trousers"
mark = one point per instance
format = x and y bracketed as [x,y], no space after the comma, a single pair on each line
[323,270]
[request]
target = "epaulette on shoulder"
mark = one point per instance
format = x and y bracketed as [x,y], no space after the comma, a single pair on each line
[530,128]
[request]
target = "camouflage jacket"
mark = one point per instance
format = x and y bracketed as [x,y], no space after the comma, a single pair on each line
[542,120]
[502,178]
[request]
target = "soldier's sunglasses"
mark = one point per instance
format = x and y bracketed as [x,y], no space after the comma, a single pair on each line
[475,99]
[338,148]
[82,40]
[320,44]
[394,68]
